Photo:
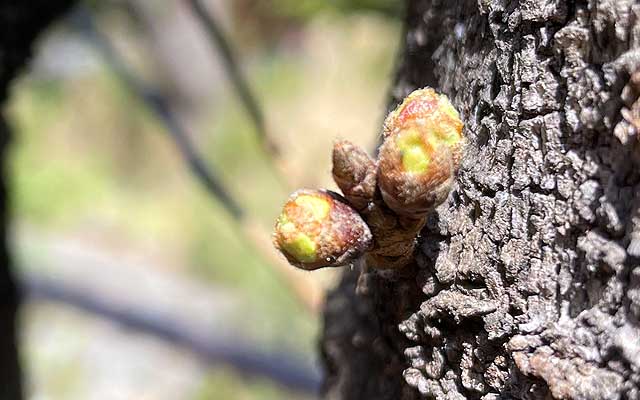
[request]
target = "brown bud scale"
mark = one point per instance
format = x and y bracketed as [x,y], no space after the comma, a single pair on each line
[354,172]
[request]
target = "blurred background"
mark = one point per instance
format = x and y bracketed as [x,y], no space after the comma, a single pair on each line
[155,144]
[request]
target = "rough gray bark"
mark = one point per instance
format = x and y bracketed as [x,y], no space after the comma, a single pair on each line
[528,280]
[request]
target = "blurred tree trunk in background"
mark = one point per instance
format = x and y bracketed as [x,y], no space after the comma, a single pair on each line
[528,278]
[20,23]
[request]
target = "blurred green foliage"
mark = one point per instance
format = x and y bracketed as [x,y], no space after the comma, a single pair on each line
[222,384]
[71,173]
[70,170]
[89,157]
[309,8]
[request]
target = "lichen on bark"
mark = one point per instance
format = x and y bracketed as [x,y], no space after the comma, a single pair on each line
[526,284]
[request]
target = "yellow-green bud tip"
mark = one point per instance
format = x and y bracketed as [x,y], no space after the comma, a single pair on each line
[301,247]
[415,158]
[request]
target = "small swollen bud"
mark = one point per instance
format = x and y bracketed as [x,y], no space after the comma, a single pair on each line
[420,154]
[354,172]
[318,229]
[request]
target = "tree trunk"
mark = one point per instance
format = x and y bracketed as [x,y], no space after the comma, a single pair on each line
[527,283]
[20,23]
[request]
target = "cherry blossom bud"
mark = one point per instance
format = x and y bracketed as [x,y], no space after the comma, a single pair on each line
[317,229]
[420,154]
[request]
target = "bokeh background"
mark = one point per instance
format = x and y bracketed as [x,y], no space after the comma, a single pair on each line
[118,244]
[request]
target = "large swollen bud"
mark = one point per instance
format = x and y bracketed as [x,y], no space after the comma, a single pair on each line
[420,154]
[318,229]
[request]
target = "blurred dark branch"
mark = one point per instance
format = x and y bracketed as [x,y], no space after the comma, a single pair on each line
[306,290]
[283,368]
[159,106]
[21,23]
[221,45]
[10,377]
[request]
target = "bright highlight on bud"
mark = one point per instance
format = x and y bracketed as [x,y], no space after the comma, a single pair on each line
[420,154]
[317,229]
